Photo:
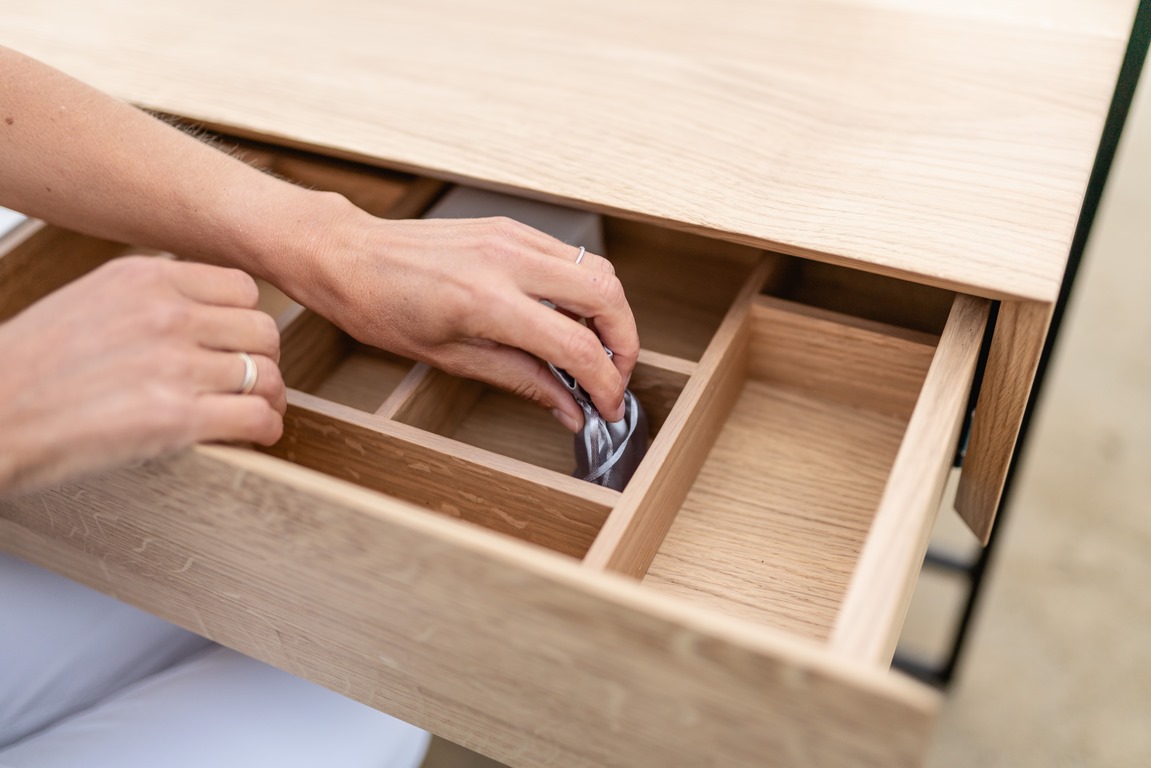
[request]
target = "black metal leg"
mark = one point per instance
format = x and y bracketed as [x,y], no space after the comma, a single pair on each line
[941,675]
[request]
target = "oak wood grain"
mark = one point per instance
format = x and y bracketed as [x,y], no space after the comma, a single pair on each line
[1016,345]
[863,133]
[636,527]
[553,511]
[772,526]
[363,378]
[679,286]
[311,347]
[868,625]
[432,400]
[834,356]
[497,421]
[506,649]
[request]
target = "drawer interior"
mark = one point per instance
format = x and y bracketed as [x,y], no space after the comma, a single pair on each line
[798,469]
[781,395]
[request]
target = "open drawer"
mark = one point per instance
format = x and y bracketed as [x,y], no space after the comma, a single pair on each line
[416,541]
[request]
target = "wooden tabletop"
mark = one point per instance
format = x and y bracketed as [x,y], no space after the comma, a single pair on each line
[943,140]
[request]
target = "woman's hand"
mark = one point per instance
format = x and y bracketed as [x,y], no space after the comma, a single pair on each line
[136,359]
[464,295]
[461,295]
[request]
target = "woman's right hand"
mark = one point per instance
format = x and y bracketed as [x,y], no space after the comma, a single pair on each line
[134,360]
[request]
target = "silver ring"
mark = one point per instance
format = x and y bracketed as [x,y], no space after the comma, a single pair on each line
[582,251]
[251,373]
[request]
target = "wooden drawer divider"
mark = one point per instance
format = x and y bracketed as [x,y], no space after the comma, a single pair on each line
[635,529]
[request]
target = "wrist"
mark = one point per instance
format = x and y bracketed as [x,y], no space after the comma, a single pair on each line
[293,240]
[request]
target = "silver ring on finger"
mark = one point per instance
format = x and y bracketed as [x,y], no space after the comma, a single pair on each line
[579,257]
[251,374]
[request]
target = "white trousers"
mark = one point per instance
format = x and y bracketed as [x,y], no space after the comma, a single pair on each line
[86,680]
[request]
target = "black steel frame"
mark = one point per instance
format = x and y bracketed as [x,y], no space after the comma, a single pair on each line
[975,570]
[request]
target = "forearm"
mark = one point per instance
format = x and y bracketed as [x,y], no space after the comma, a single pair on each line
[82,159]
[462,295]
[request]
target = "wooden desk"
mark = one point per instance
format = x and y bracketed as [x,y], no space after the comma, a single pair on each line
[824,196]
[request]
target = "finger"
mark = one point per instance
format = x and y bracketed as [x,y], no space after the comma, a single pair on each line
[625,359]
[222,373]
[601,301]
[234,329]
[517,372]
[236,419]
[589,290]
[572,346]
[208,284]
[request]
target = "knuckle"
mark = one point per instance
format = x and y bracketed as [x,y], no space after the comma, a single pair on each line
[612,290]
[528,390]
[173,368]
[133,270]
[582,348]
[505,228]
[502,237]
[166,318]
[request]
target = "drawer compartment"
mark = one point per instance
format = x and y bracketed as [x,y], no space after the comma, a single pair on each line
[416,541]
[799,467]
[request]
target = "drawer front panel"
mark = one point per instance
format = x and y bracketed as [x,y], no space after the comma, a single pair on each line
[517,653]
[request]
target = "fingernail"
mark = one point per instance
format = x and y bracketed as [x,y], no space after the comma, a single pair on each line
[566,419]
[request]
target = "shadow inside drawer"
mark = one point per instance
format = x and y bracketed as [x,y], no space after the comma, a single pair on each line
[320,359]
[497,421]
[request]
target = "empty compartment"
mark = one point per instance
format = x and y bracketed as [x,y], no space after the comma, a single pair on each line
[679,285]
[774,524]
[318,358]
[497,421]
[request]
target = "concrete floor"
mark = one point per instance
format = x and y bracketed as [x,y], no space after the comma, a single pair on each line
[1057,672]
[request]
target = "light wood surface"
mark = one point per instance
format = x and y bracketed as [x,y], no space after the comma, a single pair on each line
[518,653]
[364,378]
[679,286]
[657,382]
[557,512]
[865,295]
[508,425]
[904,138]
[833,356]
[873,611]
[773,525]
[318,358]
[1016,346]
[432,400]
[381,193]
[310,348]
[636,527]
